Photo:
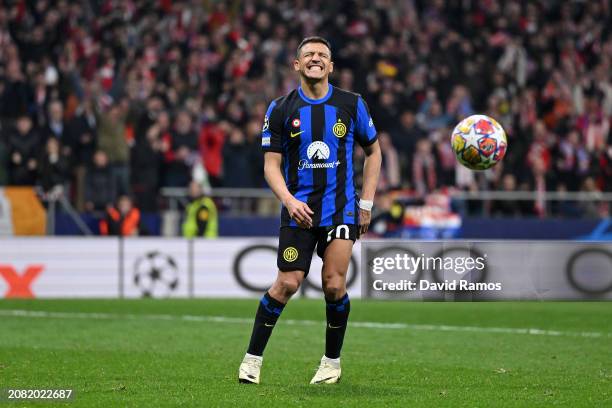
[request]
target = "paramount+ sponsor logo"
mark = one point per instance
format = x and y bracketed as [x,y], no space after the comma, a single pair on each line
[304,164]
[318,153]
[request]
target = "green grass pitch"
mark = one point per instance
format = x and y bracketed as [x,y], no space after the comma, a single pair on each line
[146,353]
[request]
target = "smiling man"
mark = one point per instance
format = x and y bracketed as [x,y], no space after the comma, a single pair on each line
[308,139]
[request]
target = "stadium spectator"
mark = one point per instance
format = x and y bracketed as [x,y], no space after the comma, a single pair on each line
[122,219]
[507,208]
[100,189]
[390,170]
[113,142]
[594,126]
[24,145]
[55,127]
[445,157]
[181,145]
[146,161]
[255,158]
[565,208]
[572,161]
[385,111]
[432,116]
[605,169]
[236,170]
[539,153]
[592,206]
[541,182]
[459,104]
[54,166]
[404,135]
[83,136]
[212,138]
[201,219]
[15,89]
[424,176]
[4,161]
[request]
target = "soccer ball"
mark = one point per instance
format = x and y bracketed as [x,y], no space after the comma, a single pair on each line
[479,142]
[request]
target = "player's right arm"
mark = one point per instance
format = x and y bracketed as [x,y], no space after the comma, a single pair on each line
[298,210]
[271,135]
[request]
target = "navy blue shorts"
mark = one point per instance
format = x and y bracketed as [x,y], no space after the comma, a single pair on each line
[296,245]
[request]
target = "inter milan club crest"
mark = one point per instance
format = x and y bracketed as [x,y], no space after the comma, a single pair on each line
[339,129]
[296,123]
[290,254]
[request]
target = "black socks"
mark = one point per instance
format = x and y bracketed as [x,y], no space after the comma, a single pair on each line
[337,319]
[267,314]
[270,309]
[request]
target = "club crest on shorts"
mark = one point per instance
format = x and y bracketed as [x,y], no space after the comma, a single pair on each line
[290,254]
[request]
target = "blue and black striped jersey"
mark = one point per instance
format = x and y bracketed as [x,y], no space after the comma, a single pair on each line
[316,138]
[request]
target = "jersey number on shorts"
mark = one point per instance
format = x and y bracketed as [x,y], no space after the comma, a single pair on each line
[341,231]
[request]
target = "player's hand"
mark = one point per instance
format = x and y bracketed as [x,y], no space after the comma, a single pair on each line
[300,212]
[364,221]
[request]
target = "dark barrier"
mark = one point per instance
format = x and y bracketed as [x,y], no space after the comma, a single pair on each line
[471,228]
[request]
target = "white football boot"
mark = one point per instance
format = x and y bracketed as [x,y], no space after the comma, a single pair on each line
[249,369]
[329,371]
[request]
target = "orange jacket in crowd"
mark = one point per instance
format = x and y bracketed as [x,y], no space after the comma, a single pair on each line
[116,224]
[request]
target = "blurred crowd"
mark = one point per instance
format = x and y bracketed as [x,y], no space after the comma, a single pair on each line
[99,99]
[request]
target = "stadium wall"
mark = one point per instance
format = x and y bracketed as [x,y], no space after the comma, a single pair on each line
[244,267]
[63,267]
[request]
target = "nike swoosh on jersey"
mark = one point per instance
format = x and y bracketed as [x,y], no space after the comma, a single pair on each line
[296,134]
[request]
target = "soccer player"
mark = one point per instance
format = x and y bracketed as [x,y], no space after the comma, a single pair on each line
[308,139]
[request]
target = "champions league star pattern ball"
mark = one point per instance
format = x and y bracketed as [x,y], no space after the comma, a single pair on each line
[479,142]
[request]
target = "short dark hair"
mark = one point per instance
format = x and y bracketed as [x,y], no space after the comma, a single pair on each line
[313,39]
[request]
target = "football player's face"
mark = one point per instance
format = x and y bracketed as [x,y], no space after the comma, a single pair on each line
[314,61]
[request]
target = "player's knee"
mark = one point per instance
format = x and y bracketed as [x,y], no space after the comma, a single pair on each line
[334,289]
[288,286]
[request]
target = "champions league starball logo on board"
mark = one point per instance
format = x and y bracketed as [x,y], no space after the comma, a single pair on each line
[156,274]
[317,152]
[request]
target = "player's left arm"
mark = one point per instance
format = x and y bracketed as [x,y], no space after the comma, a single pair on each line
[366,136]
[371,171]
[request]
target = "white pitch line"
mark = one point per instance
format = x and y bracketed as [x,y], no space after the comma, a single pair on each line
[292,322]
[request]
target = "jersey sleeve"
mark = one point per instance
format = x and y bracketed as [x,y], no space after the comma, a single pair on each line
[365,131]
[272,130]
